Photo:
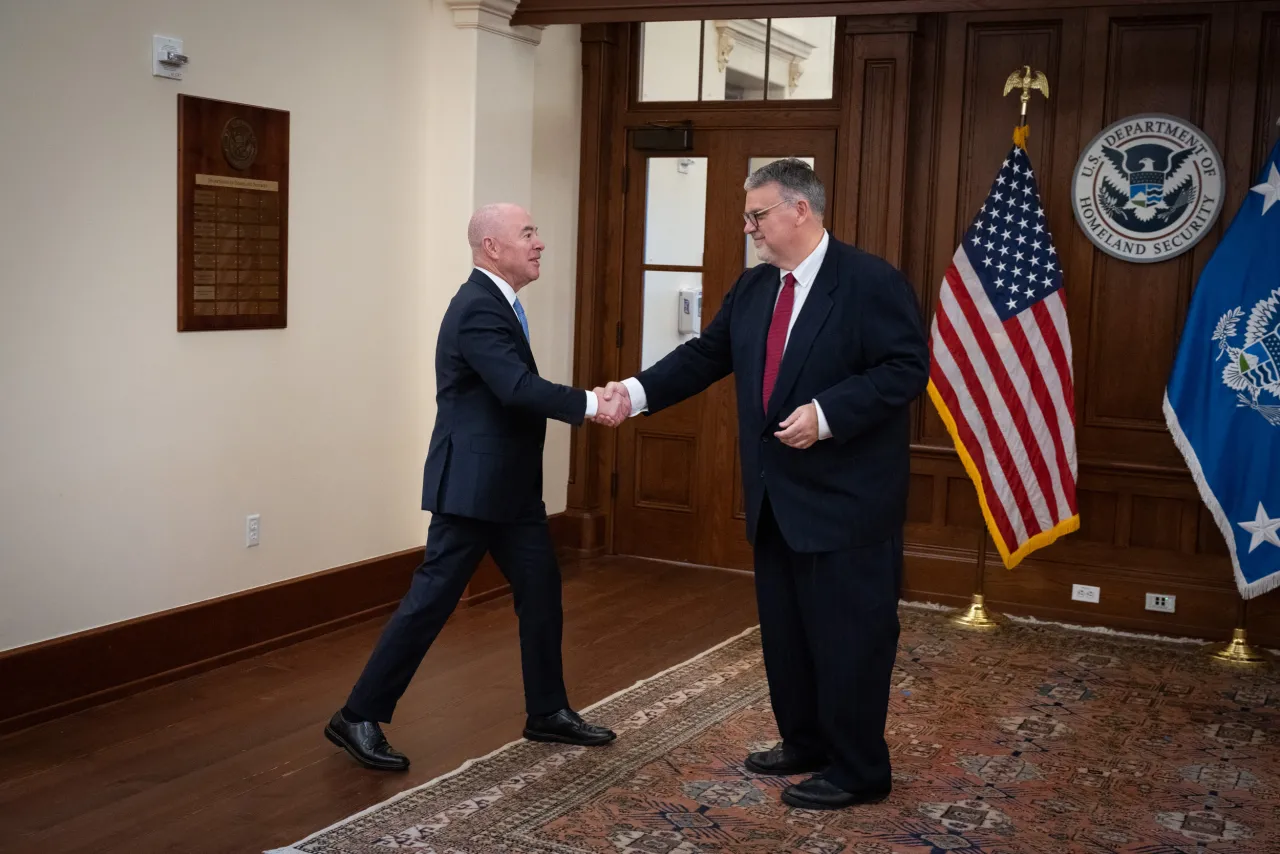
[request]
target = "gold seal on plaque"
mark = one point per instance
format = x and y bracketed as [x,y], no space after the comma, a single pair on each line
[239,144]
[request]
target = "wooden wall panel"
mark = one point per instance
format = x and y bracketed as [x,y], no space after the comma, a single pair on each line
[1154,295]
[595,361]
[1097,515]
[664,477]
[1268,88]
[874,151]
[1156,523]
[1132,314]
[974,132]
[1143,527]
[923,127]
[920,499]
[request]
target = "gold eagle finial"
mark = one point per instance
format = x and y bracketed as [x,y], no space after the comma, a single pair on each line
[1027,80]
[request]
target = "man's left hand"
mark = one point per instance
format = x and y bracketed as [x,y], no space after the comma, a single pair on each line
[800,430]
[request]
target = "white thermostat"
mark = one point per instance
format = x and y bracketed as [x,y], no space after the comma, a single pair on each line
[689,310]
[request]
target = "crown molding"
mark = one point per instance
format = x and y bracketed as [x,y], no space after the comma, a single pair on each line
[493,16]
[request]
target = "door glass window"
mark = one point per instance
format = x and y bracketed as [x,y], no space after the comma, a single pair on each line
[669,59]
[675,232]
[750,59]
[672,312]
[675,218]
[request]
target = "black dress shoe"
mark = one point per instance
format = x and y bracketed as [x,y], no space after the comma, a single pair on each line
[566,727]
[819,793]
[366,744]
[782,761]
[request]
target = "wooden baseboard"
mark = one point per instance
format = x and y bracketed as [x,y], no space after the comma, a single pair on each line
[1207,607]
[64,675]
[578,533]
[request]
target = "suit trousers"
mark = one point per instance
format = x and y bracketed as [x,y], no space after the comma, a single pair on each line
[829,628]
[455,545]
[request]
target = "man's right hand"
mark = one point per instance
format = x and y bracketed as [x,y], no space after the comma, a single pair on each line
[614,405]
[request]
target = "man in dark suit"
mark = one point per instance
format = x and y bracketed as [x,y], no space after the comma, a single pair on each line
[482,483]
[828,351]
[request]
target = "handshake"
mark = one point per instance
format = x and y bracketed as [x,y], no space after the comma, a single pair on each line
[613,404]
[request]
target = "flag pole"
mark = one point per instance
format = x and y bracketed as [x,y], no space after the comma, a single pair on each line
[1238,650]
[977,616]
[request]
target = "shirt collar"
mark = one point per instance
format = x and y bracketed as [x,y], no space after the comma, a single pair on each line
[507,291]
[808,269]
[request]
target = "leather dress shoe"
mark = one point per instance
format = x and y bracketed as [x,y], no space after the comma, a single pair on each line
[782,761]
[566,727]
[366,744]
[819,793]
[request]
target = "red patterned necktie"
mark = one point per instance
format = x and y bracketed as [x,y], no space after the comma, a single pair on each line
[778,335]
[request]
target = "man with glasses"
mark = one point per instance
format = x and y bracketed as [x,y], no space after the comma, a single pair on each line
[828,351]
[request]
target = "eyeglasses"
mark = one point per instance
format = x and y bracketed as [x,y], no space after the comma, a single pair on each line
[753,217]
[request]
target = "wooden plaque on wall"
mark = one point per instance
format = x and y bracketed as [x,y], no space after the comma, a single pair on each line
[233,215]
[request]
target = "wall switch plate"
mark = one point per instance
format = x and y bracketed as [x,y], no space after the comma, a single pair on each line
[1085,593]
[252,524]
[1161,602]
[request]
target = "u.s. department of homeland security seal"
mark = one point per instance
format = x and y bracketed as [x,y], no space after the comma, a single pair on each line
[1148,188]
[239,144]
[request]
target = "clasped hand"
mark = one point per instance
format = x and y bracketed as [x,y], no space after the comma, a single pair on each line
[799,430]
[613,404]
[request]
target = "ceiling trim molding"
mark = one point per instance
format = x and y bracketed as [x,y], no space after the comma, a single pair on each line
[494,16]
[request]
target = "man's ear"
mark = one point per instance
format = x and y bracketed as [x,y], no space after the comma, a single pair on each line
[803,211]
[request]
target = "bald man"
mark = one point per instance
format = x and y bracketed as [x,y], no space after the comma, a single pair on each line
[482,483]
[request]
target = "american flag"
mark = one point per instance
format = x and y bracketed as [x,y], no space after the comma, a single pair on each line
[1000,367]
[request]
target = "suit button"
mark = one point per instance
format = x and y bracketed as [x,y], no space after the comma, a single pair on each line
[762,475]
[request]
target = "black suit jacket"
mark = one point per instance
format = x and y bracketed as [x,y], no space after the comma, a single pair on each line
[485,458]
[858,347]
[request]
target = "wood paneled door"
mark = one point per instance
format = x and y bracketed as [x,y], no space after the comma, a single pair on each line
[679,494]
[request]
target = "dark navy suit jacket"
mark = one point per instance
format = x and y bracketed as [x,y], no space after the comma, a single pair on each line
[858,347]
[485,458]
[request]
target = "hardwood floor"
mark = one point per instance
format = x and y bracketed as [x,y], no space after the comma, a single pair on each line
[234,761]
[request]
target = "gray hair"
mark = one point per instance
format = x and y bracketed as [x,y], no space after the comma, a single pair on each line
[795,179]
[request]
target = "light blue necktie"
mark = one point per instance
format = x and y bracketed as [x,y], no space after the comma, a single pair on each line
[524,321]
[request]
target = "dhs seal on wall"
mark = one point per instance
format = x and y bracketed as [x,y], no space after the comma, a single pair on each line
[1148,188]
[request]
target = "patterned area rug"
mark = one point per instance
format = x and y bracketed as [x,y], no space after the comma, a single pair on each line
[1033,739]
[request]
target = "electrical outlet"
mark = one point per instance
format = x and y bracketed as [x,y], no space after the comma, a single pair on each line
[1085,593]
[1160,602]
[251,526]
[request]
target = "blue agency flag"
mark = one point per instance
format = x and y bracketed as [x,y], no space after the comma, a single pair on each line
[1222,404]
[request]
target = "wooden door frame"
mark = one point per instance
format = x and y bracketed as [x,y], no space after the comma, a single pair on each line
[701,519]
[871,85]
[545,12]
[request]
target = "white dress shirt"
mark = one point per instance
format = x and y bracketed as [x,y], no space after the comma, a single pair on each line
[806,272]
[510,293]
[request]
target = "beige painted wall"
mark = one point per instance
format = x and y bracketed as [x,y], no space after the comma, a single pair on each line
[131,453]
[550,302]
